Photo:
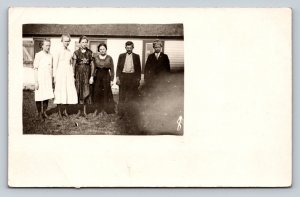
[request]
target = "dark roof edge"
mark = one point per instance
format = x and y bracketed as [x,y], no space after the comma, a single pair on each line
[105,36]
[109,30]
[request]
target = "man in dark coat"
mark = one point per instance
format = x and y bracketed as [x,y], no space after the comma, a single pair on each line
[128,76]
[157,69]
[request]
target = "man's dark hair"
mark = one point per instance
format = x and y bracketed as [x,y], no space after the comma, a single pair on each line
[129,43]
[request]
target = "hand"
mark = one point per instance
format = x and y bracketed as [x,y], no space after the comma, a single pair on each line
[111,83]
[53,82]
[36,86]
[118,81]
[142,82]
[91,81]
[139,82]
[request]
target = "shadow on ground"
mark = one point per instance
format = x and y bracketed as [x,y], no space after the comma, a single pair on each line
[156,115]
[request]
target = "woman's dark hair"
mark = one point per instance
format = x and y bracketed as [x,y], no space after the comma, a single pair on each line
[83,38]
[102,44]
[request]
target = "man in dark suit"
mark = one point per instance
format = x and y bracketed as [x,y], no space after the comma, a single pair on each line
[157,69]
[128,77]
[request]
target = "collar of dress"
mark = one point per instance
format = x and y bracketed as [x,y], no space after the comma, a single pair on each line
[102,57]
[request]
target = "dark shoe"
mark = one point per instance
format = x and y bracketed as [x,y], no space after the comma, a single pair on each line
[39,117]
[45,116]
[59,115]
[121,116]
[84,115]
[95,113]
[65,113]
[78,113]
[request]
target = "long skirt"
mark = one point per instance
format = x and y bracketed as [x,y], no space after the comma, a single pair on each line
[102,94]
[82,76]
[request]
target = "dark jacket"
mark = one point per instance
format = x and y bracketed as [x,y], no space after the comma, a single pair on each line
[136,64]
[156,69]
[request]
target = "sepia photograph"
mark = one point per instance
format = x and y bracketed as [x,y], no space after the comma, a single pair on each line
[103,79]
[149,97]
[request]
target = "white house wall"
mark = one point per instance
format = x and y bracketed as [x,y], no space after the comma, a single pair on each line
[28,73]
[173,48]
[175,51]
[115,47]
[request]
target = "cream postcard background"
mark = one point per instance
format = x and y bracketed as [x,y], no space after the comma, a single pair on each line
[237,102]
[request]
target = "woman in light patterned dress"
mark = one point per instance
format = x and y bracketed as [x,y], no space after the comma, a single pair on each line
[63,72]
[84,70]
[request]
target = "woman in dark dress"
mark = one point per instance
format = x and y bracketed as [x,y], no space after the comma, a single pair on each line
[84,69]
[104,76]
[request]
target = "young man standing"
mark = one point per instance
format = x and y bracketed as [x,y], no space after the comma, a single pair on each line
[128,78]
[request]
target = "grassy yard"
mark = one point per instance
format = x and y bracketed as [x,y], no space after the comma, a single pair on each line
[152,117]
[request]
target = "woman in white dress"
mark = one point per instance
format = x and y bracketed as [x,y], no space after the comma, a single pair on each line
[63,73]
[42,66]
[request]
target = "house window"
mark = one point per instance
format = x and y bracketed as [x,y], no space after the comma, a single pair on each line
[28,53]
[38,43]
[147,50]
[93,44]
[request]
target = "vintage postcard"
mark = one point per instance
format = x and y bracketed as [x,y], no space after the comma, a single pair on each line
[150,97]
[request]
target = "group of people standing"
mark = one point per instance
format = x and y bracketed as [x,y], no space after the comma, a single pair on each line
[84,77]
